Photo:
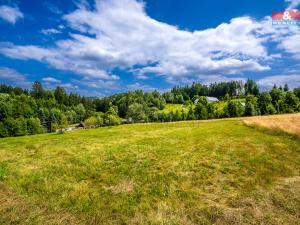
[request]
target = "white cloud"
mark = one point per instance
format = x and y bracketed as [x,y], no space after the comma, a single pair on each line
[134,39]
[52,83]
[26,52]
[293,4]
[293,81]
[11,75]
[292,45]
[51,80]
[52,8]
[275,33]
[219,78]
[138,86]
[50,31]
[10,14]
[98,84]
[285,38]
[68,86]
[58,58]
[81,4]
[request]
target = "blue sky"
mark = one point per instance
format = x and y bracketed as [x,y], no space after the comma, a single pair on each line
[102,47]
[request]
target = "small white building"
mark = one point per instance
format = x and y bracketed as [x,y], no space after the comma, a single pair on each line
[209,99]
[212,99]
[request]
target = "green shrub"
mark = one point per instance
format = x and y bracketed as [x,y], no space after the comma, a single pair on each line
[3,130]
[34,126]
[271,109]
[233,109]
[91,121]
[112,120]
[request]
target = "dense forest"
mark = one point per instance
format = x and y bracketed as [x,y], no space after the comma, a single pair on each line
[26,112]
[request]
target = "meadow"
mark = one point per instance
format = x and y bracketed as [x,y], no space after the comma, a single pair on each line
[173,108]
[199,172]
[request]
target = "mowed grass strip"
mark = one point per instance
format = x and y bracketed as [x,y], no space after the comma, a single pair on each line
[219,172]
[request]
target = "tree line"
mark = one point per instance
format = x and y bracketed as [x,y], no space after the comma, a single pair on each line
[26,112]
[234,89]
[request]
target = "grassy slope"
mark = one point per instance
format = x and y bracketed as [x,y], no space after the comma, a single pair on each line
[172,108]
[220,106]
[177,173]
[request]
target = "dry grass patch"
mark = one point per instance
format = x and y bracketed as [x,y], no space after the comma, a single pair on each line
[289,123]
[15,209]
[278,205]
[123,186]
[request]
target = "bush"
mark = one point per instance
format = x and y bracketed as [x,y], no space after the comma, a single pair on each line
[292,101]
[136,113]
[251,107]
[34,126]
[271,109]
[91,121]
[112,120]
[3,130]
[100,118]
[201,111]
[233,109]
[264,100]
[17,127]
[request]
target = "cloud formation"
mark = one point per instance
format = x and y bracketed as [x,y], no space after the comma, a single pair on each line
[118,34]
[133,39]
[293,4]
[292,45]
[50,31]
[51,80]
[11,75]
[10,14]
[292,81]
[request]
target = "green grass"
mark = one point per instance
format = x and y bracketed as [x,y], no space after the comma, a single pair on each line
[173,108]
[218,172]
[3,171]
[220,105]
[239,100]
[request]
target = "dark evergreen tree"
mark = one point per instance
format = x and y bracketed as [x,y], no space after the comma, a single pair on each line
[251,88]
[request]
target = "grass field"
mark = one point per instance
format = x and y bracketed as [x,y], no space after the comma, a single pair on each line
[173,108]
[219,172]
[179,107]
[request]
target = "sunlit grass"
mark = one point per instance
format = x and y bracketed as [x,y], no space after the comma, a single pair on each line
[289,123]
[220,172]
[173,108]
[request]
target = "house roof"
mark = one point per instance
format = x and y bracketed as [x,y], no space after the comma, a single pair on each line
[212,99]
[81,124]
